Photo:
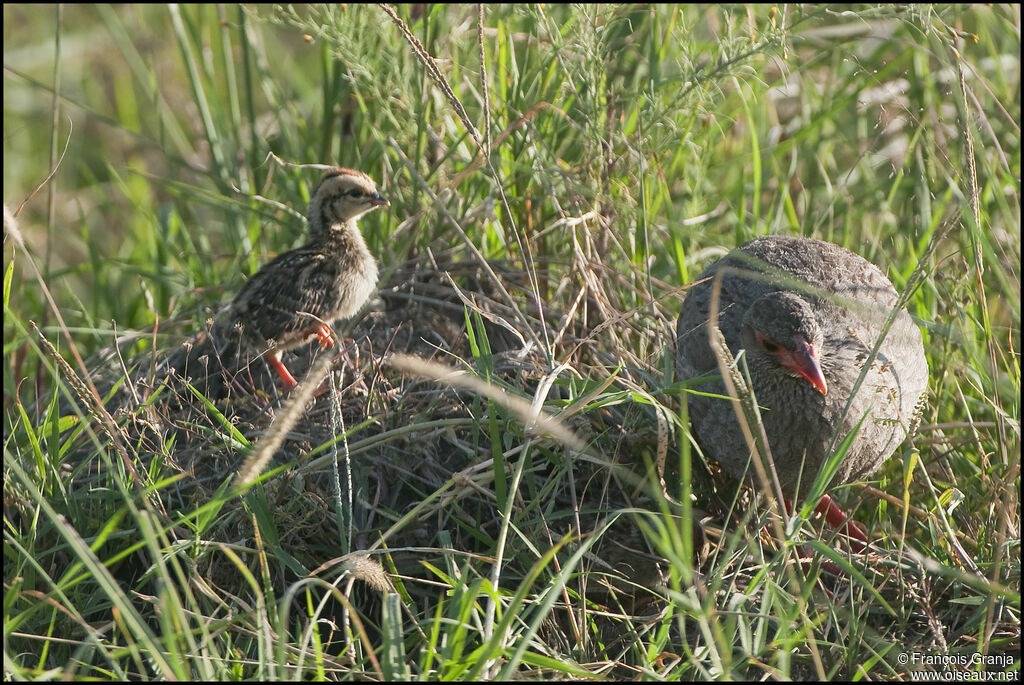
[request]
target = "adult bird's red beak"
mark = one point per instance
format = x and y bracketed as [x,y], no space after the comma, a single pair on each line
[804,360]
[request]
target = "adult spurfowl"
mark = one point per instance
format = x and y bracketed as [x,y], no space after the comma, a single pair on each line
[807,314]
[300,293]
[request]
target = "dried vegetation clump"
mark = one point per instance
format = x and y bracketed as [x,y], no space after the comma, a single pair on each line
[378,440]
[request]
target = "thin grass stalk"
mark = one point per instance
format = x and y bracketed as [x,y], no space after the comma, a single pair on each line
[247,79]
[51,190]
[490,668]
[231,86]
[346,518]
[213,138]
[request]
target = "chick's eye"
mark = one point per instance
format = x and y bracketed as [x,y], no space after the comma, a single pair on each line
[355,192]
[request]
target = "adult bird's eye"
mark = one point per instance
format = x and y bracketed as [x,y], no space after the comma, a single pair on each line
[769,346]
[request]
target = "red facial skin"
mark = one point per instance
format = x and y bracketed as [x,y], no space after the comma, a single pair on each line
[802,360]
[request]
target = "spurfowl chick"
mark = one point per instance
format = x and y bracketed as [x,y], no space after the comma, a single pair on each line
[807,313]
[298,294]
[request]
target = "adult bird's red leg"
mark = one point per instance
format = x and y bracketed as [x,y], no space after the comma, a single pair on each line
[282,371]
[805,563]
[838,519]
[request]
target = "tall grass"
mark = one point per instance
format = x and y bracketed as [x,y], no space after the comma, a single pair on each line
[575,167]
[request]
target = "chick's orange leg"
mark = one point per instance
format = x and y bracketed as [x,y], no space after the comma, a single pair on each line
[324,334]
[286,377]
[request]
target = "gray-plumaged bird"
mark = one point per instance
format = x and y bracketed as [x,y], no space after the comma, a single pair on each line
[807,313]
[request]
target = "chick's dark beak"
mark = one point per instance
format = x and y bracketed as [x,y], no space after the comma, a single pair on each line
[378,200]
